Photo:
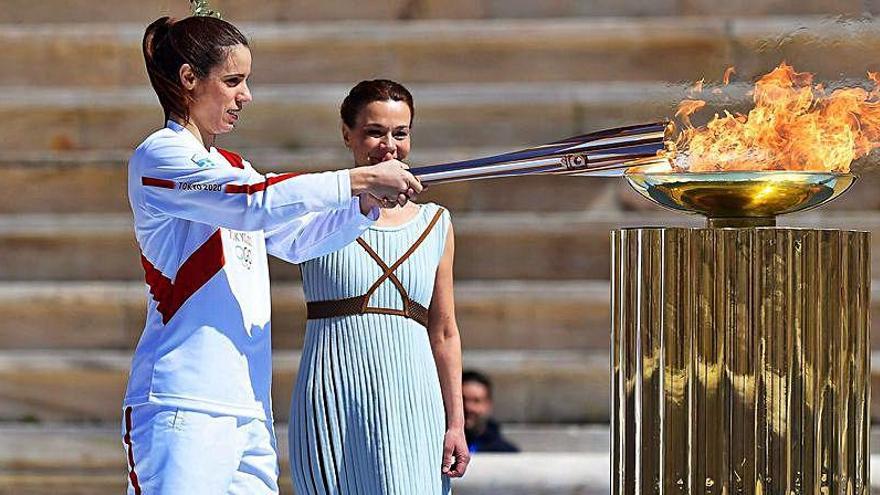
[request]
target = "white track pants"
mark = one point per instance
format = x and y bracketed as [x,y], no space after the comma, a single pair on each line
[174,451]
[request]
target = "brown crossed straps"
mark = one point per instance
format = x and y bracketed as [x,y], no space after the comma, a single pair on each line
[361,304]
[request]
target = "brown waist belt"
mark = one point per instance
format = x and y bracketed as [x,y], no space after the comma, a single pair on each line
[355,306]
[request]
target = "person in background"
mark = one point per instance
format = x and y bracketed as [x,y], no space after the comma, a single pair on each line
[483,433]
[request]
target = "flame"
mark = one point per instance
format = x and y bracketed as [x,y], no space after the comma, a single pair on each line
[687,108]
[726,79]
[727,73]
[794,125]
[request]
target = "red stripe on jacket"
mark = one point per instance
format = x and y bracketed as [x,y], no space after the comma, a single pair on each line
[194,273]
[132,475]
[233,158]
[164,183]
[259,186]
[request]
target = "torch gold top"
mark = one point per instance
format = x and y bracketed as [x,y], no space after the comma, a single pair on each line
[739,199]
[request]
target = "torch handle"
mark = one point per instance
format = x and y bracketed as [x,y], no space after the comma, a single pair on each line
[597,153]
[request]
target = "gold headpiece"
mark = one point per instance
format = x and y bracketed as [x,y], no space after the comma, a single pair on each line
[201,8]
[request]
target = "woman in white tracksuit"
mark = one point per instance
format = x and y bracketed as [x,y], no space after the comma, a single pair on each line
[197,410]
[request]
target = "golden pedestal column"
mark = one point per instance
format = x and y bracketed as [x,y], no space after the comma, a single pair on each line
[741,361]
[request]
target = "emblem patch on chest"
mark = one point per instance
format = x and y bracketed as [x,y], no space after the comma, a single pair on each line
[243,248]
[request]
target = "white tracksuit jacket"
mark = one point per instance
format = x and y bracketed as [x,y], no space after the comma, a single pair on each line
[205,220]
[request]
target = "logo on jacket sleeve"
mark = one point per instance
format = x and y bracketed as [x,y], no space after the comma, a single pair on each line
[204,162]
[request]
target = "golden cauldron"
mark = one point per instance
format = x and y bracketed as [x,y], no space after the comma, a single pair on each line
[737,198]
[740,351]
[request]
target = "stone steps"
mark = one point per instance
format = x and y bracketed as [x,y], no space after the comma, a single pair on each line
[489,474]
[491,315]
[73,459]
[586,49]
[58,447]
[566,456]
[499,315]
[506,116]
[90,459]
[96,182]
[490,246]
[533,386]
[144,11]
[530,386]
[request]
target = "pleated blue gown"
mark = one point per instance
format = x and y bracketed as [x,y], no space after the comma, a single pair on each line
[367,414]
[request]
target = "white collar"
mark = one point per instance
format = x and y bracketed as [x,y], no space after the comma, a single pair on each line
[176,127]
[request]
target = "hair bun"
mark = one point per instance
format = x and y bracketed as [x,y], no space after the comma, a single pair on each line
[155,34]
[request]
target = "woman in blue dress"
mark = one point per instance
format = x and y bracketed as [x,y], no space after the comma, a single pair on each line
[377,405]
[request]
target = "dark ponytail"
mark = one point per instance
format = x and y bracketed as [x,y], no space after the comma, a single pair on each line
[200,41]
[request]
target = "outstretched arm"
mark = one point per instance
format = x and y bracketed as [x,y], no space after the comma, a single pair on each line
[317,234]
[169,178]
